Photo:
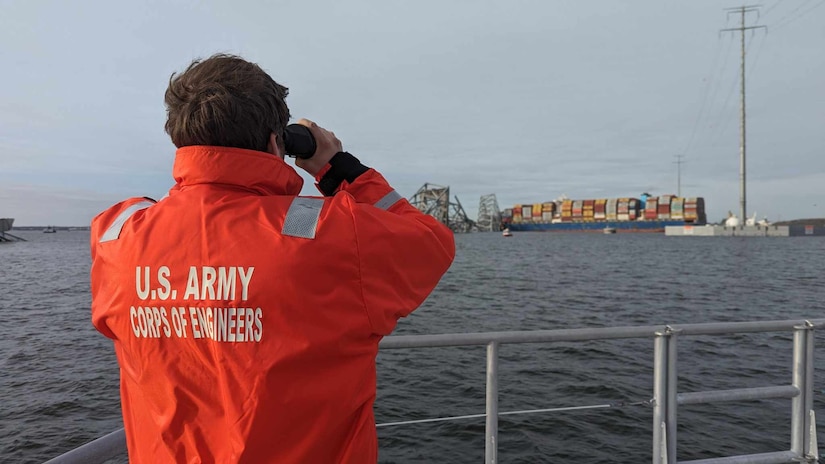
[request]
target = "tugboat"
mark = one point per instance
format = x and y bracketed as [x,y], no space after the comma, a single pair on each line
[49,230]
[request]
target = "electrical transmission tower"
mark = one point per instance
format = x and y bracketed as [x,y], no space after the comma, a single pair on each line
[742,10]
[434,200]
[489,216]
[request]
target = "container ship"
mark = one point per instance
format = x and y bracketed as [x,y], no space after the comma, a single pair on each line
[644,214]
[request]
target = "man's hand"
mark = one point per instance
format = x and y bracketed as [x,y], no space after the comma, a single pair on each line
[327,145]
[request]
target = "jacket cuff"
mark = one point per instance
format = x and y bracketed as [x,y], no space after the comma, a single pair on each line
[342,167]
[320,174]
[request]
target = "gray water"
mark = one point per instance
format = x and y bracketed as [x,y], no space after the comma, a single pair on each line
[59,383]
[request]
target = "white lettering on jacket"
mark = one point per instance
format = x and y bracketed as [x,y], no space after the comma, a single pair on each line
[221,283]
[233,323]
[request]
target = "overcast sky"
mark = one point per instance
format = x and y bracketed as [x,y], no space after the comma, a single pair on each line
[525,99]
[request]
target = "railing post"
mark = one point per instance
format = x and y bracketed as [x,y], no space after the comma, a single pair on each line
[659,402]
[664,397]
[802,404]
[810,424]
[672,383]
[491,439]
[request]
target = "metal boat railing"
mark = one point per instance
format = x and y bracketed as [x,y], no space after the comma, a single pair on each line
[665,399]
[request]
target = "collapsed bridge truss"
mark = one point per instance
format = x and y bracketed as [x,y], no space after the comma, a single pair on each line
[434,200]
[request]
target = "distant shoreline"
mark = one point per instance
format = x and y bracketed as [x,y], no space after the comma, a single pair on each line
[54,227]
[819,222]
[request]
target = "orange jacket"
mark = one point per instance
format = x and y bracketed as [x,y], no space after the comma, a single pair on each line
[246,319]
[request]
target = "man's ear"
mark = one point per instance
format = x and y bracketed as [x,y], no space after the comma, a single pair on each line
[272,146]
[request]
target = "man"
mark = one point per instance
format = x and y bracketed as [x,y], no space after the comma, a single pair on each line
[245,318]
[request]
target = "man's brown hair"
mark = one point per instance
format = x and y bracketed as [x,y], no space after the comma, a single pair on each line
[226,101]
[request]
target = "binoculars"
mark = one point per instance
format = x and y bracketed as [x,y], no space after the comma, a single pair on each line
[299,141]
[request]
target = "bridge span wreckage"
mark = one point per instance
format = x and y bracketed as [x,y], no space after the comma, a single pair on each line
[435,201]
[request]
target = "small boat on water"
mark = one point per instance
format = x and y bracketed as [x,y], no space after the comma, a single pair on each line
[506,233]
[609,230]
[49,230]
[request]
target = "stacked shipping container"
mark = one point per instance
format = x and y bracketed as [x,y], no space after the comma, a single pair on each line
[517,214]
[610,209]
[600,210]
[662,208]
[567,211]
[547,211]
[695,210]
[651,209]
[587,210]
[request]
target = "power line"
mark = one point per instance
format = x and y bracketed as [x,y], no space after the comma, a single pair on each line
[799,7]
[772,7]
[705,93]
[716,84]
[724,122]
[756,55]
[679,161]
[800,15]
[713,98]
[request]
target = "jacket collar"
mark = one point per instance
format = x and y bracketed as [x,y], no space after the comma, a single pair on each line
[257,171]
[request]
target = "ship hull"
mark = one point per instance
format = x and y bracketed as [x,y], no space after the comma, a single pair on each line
[596,226]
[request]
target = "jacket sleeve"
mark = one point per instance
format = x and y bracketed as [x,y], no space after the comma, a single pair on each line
[101,270]
[402,252]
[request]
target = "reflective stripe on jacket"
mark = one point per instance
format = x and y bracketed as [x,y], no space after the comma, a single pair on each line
[246,319]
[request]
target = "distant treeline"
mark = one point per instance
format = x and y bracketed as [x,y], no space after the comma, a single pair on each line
[819,222]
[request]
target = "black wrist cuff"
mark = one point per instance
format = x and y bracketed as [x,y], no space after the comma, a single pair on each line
[343,167]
